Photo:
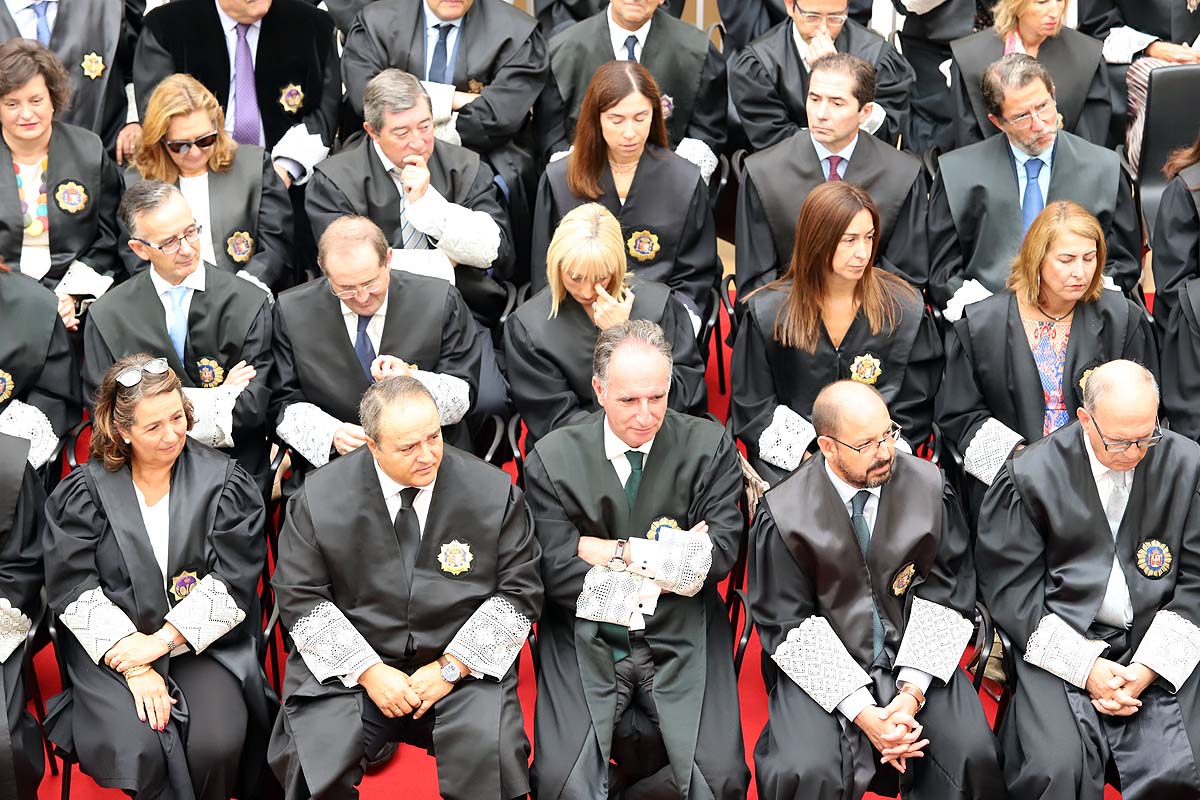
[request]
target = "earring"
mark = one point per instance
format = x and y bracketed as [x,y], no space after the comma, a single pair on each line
[126,441]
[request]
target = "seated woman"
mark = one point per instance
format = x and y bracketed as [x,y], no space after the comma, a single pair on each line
[833,315]
[158,544]
[1033,27]
[1176,246]
[235,194]
[59,223]
[549,339]
[1016,362]
[621,160]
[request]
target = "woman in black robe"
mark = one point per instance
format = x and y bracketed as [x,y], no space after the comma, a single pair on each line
[621,159]
[833,315]
[1176,239]
[550,338]
[158,546]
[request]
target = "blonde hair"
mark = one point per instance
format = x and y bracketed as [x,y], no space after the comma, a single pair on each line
[1024,279]
[1006,12]
[588,242]
[175,96]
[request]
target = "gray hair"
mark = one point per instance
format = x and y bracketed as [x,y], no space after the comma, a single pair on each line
[391,92]
[1014,71]
[635,331]
[142,198]
[1098,383]
[351,230]
[384,394]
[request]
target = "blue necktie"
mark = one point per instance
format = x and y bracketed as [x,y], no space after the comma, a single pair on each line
[363,347]
[863,533]
[1033,202]
[177,325]
[43,24]
[437,68]
[630,44]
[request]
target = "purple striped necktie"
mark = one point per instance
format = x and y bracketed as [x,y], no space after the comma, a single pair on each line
[245,112]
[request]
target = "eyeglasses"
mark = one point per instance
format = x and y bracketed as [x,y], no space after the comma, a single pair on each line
[181,146]
[893,436]
[367,288]
[1121,446]
[1045,112]
[133,376]
[814,18]
[171,246]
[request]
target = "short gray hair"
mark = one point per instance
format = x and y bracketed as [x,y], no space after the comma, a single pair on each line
[1014,71]
[1112,375]
[391,92]
[142,198]
[383,394]
[638,331]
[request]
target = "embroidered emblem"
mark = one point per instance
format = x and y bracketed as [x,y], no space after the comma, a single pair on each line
[904,579]
[6,386]
[1154,558]
[291,98]
[866,369]
[643,245]
[183,583]
[71,197]
[240,246]
[1087,373]
[211,373]
[668,106]
[475,87]
[93,65]
[658,528]
[455,557]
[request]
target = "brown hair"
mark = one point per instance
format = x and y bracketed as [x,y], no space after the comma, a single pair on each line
[861,71]
[176,96]
[1006,13]
[826,214]
[1024,278]
[611,84]
[115,405]
[1182,158]
[587,242]
[1013,71]
[22,60]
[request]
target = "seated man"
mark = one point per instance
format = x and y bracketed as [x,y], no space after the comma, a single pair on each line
[776,180]
[768,80]
[1087,558]
[636,511]
[361,321]
[986,195]
[554,15]
[746,20]
[408,578]
[859,657]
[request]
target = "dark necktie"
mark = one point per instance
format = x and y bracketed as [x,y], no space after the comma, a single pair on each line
[437,67]
[863,533]
[363,347]
[834,163]
[635,476]
[1033,202]
[408,532]
[630,44]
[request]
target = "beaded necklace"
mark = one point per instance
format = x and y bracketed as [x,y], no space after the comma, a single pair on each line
[35,218]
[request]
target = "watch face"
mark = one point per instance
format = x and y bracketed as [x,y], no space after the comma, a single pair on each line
[450,673]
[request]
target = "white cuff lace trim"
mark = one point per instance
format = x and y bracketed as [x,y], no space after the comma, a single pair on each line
[309,431]
[699,154]
[934,639]
[97,623]
[1171,647]
[14,627]
[972,291]
[214,414]
[677,561]
[83,281]
[787,437]
[1122,44]
[1061,650]
[814,657]
[331,646]
[465,236]
[490,640]
[29,422]
[451,394]
[206,614]
[608,596]
[874,120]
[306,149]
[253,281]
[989,449]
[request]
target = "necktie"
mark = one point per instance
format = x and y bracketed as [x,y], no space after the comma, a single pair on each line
[834,163]
[1033,202]
[437,67]
[410,237]
[1115,609]
[635,476]
[363,347]
[245,113]
[630,44]
[408,532]
[43,24]
[177,325]
[863,533]
[1117,499]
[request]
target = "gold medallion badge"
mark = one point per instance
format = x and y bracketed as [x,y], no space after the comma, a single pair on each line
[240,246]
[475,87]
[1154,558]
[659,528]
[291,98]
[1087,373]
[455,557]
[71,197]
[183,583]
[211,373]
[93,65]
[904,579]
[643,245]
[866,369]
[6,385]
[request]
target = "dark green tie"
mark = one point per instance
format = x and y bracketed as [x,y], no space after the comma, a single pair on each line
[635,476]
[617,636]
[863,533]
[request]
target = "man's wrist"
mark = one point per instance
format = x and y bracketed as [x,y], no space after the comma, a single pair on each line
[918,697]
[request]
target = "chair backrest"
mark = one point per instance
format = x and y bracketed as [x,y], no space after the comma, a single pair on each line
[1172,120]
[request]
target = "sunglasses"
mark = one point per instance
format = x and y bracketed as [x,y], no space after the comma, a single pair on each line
[183,145]
[133,376]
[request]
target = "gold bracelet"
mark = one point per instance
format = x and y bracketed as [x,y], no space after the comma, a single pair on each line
[133,672]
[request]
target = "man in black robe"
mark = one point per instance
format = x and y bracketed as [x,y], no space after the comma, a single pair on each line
[1087,558]
[746,20]
[405,631]
[768,80]
[776,181]
[636,511]
[554,15]
[986,195]
[863,592]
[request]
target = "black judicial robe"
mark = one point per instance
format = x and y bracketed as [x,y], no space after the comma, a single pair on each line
[746,20]
[554,15]
[687,67]
[230,321]
[975,212]
[1176,242]
[684,250]
[550,360]
[691,474]
[769,83]
[339,523]
[1075,63]
[765,374]
[1181,362]
[776,181]
[21,580]
[89,233]
[95,529]
[248,199]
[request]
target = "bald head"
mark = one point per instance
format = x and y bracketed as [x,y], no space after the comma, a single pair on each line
[1120,404]
[1123,383]
[852,424]
[845,403]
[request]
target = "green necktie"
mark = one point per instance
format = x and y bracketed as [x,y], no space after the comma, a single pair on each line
[635,476]
[617,636]
[858,521]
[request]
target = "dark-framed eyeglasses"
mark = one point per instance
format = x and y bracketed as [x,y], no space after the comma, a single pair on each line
[1120,446]
[814,18]
[171,246]
[892,436]
[133,376]
[181,146]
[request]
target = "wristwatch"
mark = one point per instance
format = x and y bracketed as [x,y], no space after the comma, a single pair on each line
[617,562]
[169,640]
[917,694]
[450,671]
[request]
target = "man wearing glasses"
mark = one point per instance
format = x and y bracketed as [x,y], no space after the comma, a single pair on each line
[1087,558]
[986,195]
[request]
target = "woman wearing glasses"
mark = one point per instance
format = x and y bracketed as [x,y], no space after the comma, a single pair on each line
[833,315]
[233,190]
[158,550]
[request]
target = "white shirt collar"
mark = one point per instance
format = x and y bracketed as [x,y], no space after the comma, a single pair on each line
[20,5]
[615,448]
[1021,156]
[619,34]
[390,488]
[845,491]
[380,314]
[193,281]
[1098,470]
[228,23]
[432,20]
[387,162]
[846,152]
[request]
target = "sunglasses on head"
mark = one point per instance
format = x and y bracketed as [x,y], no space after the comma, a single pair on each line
[183,145]
[133,376]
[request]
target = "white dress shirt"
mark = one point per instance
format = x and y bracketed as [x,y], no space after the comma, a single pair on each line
[432,35]
[374,327]
[1116,609]
[229,26]
[157,520]
[823,154]
[195,191]
[640,550]
[26,18]
[1021,157]
[194,283]
[618,35]
[391,496]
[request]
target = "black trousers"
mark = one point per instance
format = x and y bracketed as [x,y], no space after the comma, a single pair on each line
[216,724]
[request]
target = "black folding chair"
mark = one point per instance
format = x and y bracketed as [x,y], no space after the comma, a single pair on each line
[1172,120]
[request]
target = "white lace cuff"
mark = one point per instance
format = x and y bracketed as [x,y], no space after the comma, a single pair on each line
[30,422]
[1061,650]
[330,645]
[309,431]
[465,236]
[561,154]
[608,596]
[699,154]
[306,149]
[490,640]
[874,120]
[14,627]
[206,614]
[1122,44]
[97,623]
[83,281]
[451,394]
[441,99]
[934,639]
[990,447]
[814,657]
[678,561]
[214,414]
[787,437]
[972,291]
[253,281]
[1171,647]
